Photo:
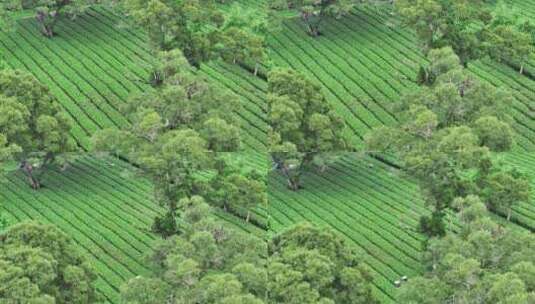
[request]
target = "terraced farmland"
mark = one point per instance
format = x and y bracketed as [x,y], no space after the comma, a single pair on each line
[364,62]
[94,64]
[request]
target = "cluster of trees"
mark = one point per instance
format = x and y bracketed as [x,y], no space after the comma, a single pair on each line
[482,263]
[41,264]
[212,263]
[201,29]
[448,129]
[473,29]
[181,135]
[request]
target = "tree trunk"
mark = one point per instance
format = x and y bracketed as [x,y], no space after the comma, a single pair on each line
[28,169]
[256,69]
[248,216]
[313,30]
[521,69]
[509,214]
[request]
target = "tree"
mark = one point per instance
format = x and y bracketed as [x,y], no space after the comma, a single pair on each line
[201,30]
[48,12]
[510,37]
[484,262]
[308,264]
[505,188]
[176,132]
[40,264]
[243,35]
[303,126]
[208,263]
[443,138]
[507,43]
[188,25]
[313,12]
[473,29]
[34,130]
[441,23]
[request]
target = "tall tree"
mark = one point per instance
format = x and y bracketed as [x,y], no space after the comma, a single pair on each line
[473,29]
[442,140]
[41,264]
[505,188]
[303,126]
[34,130]
[188,25]
[313,12]
[242,36]
[175,131]
[236,187]
[48,12]
[510,37]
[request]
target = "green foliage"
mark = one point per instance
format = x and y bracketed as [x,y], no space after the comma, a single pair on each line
[433,225]
[473,29]
[505,188]
[200,29]
[484,262]
[186,25]
[177,131]
[443,139]
[208,263]
[308,264]
[242,36]
[313,12]
[510,37]
[47,12]
[441,23]
[34,130]
[303,126]
[236,187]
[40,264]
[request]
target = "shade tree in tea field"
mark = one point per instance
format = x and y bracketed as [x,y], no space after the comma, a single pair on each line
[34,129]
[303,126]
[47,12]
[444,139]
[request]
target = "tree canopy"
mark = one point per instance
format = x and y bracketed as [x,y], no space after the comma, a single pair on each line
[313,12]
[208,263]
[41,264]
[484,262]
[448,129]
[179,130]
[473,29]
[213,263]
[309,264]
[47,12]
[200,29]
[34,130]
[303,126]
